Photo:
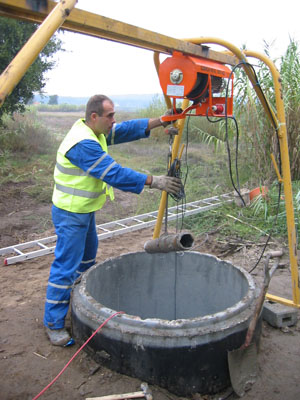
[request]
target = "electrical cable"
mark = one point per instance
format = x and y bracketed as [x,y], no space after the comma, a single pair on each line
[183,205]
[174,169]
[77,352]
[237,141]
[237,189]
[236,158]
[279,189]
[276,130]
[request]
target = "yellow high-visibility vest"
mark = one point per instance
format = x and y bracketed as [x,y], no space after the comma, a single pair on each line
[76,190]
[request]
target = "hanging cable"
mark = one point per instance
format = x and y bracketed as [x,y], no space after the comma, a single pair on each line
[237,189]
[183,205]
[236,157]
[276,131]
[279,156]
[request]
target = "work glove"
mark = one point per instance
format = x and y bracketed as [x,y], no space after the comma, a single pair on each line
[169,184]
[167,113]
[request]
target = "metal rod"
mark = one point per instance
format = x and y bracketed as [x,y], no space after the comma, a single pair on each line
[91,24]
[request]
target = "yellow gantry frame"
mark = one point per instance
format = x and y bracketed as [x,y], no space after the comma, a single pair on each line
[64,15]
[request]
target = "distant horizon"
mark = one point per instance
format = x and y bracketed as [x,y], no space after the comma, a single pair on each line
[129,101]
[109,95]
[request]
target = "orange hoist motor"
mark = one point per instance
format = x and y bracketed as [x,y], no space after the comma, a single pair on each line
[200,80]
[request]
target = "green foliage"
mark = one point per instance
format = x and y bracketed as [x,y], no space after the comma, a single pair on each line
[261,218]
[24,136]
[13,35]
[58,107]
[156,108]
[53,100]
[290,76]
[256,129]
[271,208]
[27,154]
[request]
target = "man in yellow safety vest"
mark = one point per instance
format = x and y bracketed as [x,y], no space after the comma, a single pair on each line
[84,177]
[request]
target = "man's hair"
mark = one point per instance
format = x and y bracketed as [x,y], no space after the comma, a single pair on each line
[95,105]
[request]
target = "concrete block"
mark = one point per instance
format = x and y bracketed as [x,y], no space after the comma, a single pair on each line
[279,315]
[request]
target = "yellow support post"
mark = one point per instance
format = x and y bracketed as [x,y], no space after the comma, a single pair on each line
[12,75]
[286,172]
[175,148]
[280,180]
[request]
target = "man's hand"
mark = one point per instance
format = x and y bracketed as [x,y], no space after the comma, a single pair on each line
[167,113]
[169,184]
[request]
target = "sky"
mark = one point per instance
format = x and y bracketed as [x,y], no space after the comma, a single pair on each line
[93,66]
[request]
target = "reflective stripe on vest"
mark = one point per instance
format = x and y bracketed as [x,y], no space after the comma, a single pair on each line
[76,190]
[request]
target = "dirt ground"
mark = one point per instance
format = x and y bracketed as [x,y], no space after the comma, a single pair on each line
[29,362]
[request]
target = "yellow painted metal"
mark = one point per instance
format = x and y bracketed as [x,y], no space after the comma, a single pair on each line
[280,180]
[98,26]
[175,149]
[286,173]
[27,55]
[181,151]
[282,300]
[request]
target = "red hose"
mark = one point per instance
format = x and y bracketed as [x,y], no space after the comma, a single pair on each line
[77,352]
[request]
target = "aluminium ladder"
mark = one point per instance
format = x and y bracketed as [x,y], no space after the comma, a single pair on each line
[41,247]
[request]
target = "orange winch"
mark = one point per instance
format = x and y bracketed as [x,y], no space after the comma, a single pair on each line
[199,80]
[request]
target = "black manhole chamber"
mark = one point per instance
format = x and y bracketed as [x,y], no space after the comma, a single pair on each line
[183,312]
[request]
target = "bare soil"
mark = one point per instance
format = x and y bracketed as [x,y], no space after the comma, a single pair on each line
[29,362]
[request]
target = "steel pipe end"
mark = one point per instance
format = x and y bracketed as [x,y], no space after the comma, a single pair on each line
[167,243]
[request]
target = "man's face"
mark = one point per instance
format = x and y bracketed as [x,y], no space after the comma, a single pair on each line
[103,124]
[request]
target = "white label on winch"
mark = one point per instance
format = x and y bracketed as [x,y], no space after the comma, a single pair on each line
[175,90]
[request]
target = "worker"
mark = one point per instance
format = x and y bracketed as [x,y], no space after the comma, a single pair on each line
[84,176]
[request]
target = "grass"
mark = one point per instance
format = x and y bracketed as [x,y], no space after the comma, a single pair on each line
[263,217]
[29,155]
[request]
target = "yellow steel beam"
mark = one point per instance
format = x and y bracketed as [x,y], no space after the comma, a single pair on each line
[12,75]
[282,300]
[98,26]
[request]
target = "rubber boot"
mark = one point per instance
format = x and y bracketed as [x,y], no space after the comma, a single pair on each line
[58,337]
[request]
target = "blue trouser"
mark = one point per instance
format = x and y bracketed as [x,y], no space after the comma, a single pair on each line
[75,252]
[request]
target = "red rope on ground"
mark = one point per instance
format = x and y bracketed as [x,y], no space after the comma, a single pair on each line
[77,352]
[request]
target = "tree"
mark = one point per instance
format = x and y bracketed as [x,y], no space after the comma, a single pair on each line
[13,35]
[53,100]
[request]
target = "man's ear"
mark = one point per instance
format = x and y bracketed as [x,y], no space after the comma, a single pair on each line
[93,116]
